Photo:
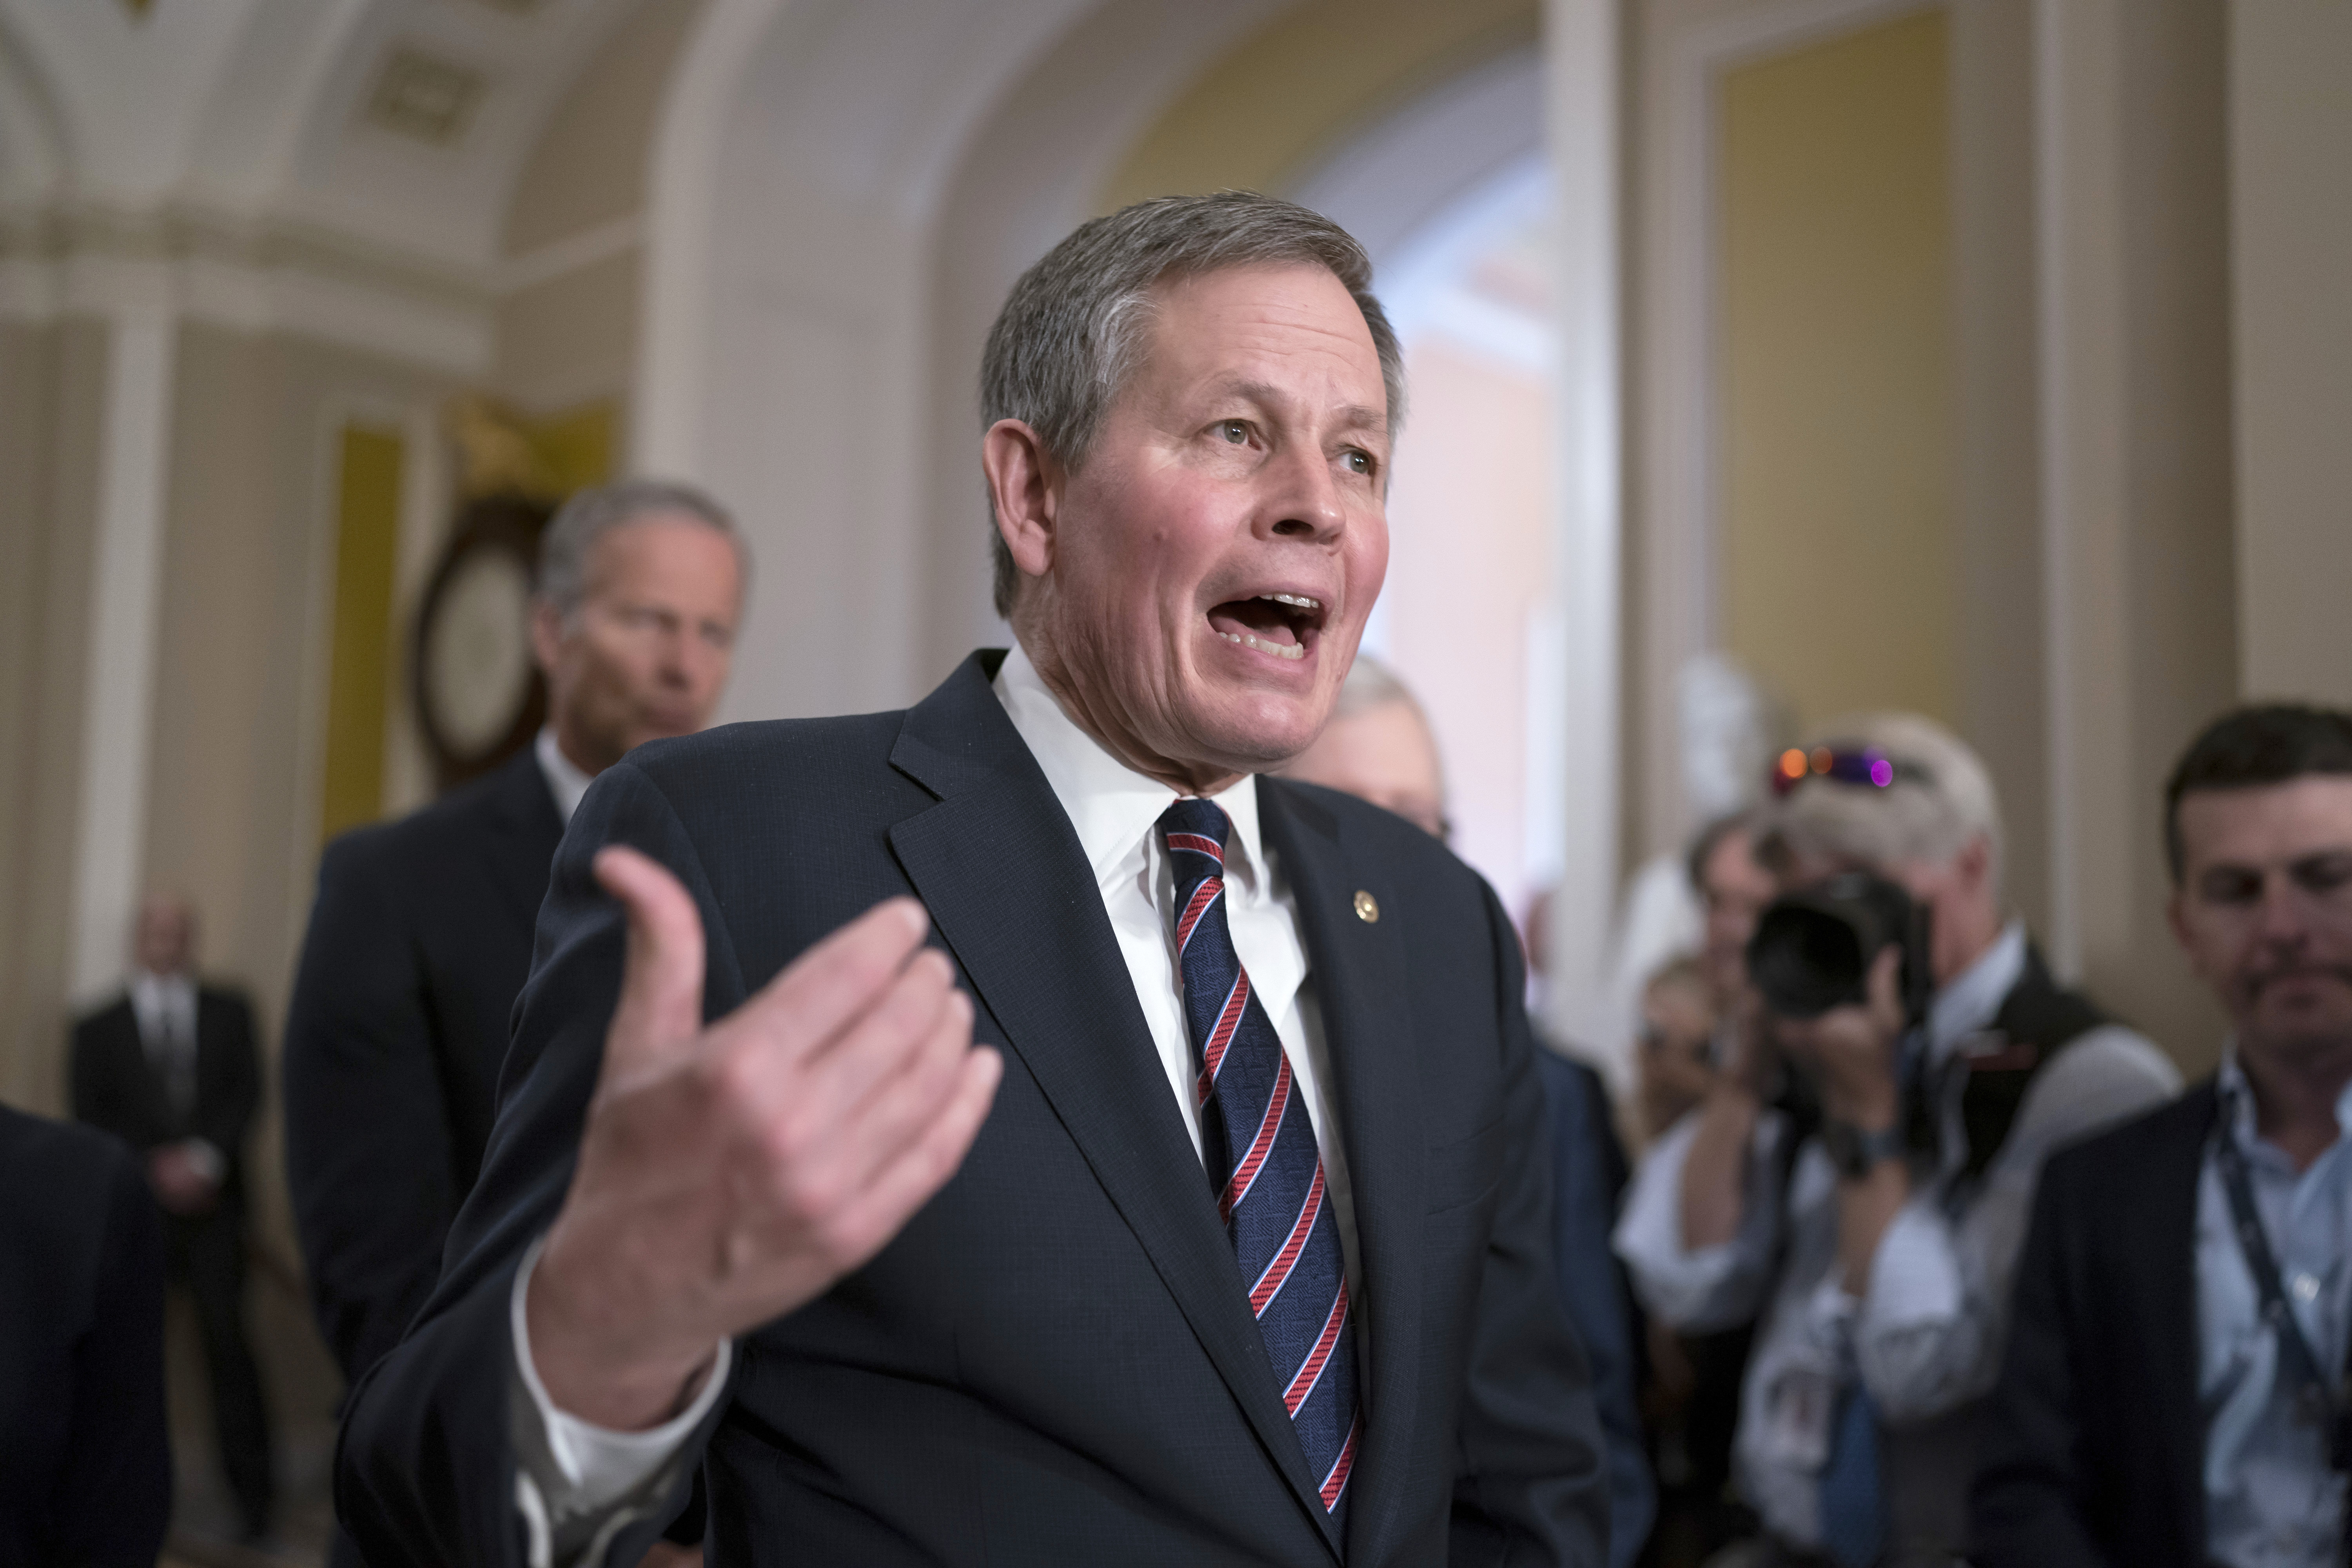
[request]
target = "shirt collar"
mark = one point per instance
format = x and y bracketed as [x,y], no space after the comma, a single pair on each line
[2237,1096]
[1114,809]
[1970,1002]
[565,781]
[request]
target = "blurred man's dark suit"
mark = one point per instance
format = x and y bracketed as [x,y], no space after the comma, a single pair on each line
[117,1088]
[1056,1361]
[2093,1450]
[419,943]
[85,1458]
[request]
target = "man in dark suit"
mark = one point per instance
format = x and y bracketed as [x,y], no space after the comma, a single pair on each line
[171,1069]
[2174,1390]
[1229,1242]
[420,940]
[88,1472]
[1378,747]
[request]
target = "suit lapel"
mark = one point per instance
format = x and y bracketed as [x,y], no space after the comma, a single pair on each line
[1357,968]
[1000,868]
[2169,1242]
[524,832]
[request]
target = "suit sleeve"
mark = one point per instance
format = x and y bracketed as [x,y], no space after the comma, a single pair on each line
[227,1110]
[115,1488]
[367,1137]
[1531,1480]
[428,1470]
[2025,1506]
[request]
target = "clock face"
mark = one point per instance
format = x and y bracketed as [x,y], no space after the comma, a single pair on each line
[476,664]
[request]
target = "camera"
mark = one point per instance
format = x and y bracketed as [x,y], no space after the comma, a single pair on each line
[1812,948]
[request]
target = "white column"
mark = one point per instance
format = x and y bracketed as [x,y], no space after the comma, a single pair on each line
[1582,62]
[119,677]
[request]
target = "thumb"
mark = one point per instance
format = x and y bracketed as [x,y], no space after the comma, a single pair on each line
[660,1008]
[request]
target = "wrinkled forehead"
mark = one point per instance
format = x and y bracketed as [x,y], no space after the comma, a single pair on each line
[1271,332]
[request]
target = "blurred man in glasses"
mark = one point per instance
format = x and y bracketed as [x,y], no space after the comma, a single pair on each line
[1857,1183]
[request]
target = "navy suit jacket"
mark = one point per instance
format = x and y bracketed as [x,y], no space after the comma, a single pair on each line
[2093,1450]
[1054,1361]
[85,1465]
[419,943]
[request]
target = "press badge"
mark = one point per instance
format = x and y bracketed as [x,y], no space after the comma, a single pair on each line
[1799,1413]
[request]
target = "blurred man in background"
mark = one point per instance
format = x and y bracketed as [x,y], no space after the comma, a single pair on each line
[421,936]
[1874,1240]
[87,1475]
[1377,747]
[171,1069]
[2173,1395]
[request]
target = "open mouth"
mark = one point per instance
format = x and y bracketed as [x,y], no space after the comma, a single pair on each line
[1282,625]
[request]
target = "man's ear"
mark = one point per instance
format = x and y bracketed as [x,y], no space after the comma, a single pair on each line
[1025,486]
[1974,862]
[546,635]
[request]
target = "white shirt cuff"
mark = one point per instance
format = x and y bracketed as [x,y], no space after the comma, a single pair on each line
[596,1466]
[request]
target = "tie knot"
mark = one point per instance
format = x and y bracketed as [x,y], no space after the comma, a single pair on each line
[1196,827]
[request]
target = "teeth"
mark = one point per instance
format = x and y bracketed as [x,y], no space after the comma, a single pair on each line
[1279,650]
[1299,600]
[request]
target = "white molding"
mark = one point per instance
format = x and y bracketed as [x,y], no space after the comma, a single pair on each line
[119,681]
[586,248]
[1680,453]
[446,335]
[665,435]
[1583,56]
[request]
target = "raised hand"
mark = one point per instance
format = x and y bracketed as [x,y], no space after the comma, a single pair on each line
[730,1174]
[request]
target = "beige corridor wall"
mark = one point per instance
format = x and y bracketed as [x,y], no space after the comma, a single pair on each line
[52,381]
[1837,559]
[2291,257]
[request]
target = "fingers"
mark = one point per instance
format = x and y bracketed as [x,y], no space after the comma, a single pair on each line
[660,1010]
[909,1177]
[822,992]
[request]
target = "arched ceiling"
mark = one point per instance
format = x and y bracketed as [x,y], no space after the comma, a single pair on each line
[397,125]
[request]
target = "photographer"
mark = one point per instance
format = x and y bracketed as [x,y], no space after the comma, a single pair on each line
[1858,1178]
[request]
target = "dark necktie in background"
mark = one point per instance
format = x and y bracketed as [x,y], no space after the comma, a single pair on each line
[1259,1146]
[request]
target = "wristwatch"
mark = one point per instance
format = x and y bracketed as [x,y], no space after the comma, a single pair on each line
[1855,1152]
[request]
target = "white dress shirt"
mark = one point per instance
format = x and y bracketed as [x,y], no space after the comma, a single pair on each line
[1115,811]
[2270,1498]
[1926,1335]
[165,1008]
[566,781]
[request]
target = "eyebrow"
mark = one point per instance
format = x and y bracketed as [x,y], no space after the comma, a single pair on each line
[1353,416]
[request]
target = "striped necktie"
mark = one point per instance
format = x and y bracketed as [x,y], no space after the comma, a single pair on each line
[1260,1150]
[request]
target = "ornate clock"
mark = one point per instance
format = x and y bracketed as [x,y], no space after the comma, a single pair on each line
[479,696]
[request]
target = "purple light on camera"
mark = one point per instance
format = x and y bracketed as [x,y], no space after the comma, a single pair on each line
[1882,772]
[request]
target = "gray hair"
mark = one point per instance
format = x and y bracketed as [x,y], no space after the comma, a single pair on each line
[1370,684]
[1071,332]
[1947,801]
[591,514]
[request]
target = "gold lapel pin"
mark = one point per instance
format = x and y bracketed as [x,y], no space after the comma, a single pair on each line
[1367,908]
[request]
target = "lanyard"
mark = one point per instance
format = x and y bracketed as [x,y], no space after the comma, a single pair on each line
[2318,1399]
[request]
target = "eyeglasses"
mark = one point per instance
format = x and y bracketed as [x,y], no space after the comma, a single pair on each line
[1843,763]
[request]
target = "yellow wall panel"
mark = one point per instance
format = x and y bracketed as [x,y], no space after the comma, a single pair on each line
[1838,556]
[360,672]
[1265,110]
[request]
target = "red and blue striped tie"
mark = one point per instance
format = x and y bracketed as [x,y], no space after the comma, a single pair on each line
[1259,1146]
